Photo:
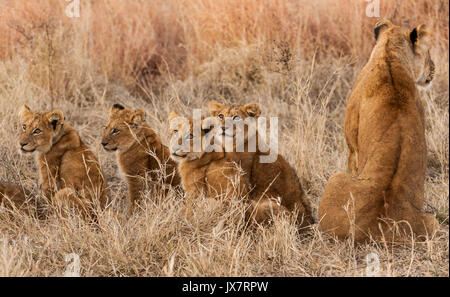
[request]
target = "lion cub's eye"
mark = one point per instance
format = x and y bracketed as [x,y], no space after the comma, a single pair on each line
[24,127]
[236,118]
[221,116]
[115,131]
[189,136]
[36,131]
[175,132]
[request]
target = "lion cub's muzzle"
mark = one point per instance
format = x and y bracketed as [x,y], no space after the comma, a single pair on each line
[23,148]
[179,153]
[109,149]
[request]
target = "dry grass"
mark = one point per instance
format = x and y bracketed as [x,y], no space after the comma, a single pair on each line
[298,59]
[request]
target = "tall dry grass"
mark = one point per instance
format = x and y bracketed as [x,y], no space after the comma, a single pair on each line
[298,59]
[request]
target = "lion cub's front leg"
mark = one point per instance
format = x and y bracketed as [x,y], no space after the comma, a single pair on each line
[195,185]
[48,173]
[135,188]
[67,197]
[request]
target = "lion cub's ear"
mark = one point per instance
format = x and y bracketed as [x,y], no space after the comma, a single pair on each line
[252,109]
[176,120]
[214,107]
[173,115]
[420,38]
[55,118]
[115,108]
[24,111]
[137,117]
[381,26]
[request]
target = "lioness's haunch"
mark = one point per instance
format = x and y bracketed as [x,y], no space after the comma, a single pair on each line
[69,171]
[139,152]
[385,134]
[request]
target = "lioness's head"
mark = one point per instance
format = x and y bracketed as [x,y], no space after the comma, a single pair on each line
[184,138]
[122,127]
[415,44]
[231,117]
[39,130]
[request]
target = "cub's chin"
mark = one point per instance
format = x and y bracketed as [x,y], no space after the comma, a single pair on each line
[24,151]
[195,156]
[176,157]
[112,149]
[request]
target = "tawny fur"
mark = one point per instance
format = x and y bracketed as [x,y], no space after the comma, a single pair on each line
[141,155]
[192,166]
[14,196]
[273,187]
[385,134]
[70,173]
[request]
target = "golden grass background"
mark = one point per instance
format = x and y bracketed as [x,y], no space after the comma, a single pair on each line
[296,58]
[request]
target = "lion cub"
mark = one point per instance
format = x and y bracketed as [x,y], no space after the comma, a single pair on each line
[12,195]
[69,171]
[193,164]
[275,186]
[139,151]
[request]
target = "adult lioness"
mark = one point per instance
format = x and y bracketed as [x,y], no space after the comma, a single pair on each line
[69,171]
[385,134]
[139,152]
[274,186]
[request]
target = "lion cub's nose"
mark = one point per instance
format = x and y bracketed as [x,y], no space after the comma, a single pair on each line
[22,144]
[104,143]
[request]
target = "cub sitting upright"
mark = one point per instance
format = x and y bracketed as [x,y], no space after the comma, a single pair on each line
[69,171]
[192,165]
[139,151]
[275,181]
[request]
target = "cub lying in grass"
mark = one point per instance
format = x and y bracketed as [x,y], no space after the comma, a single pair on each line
[13,196]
